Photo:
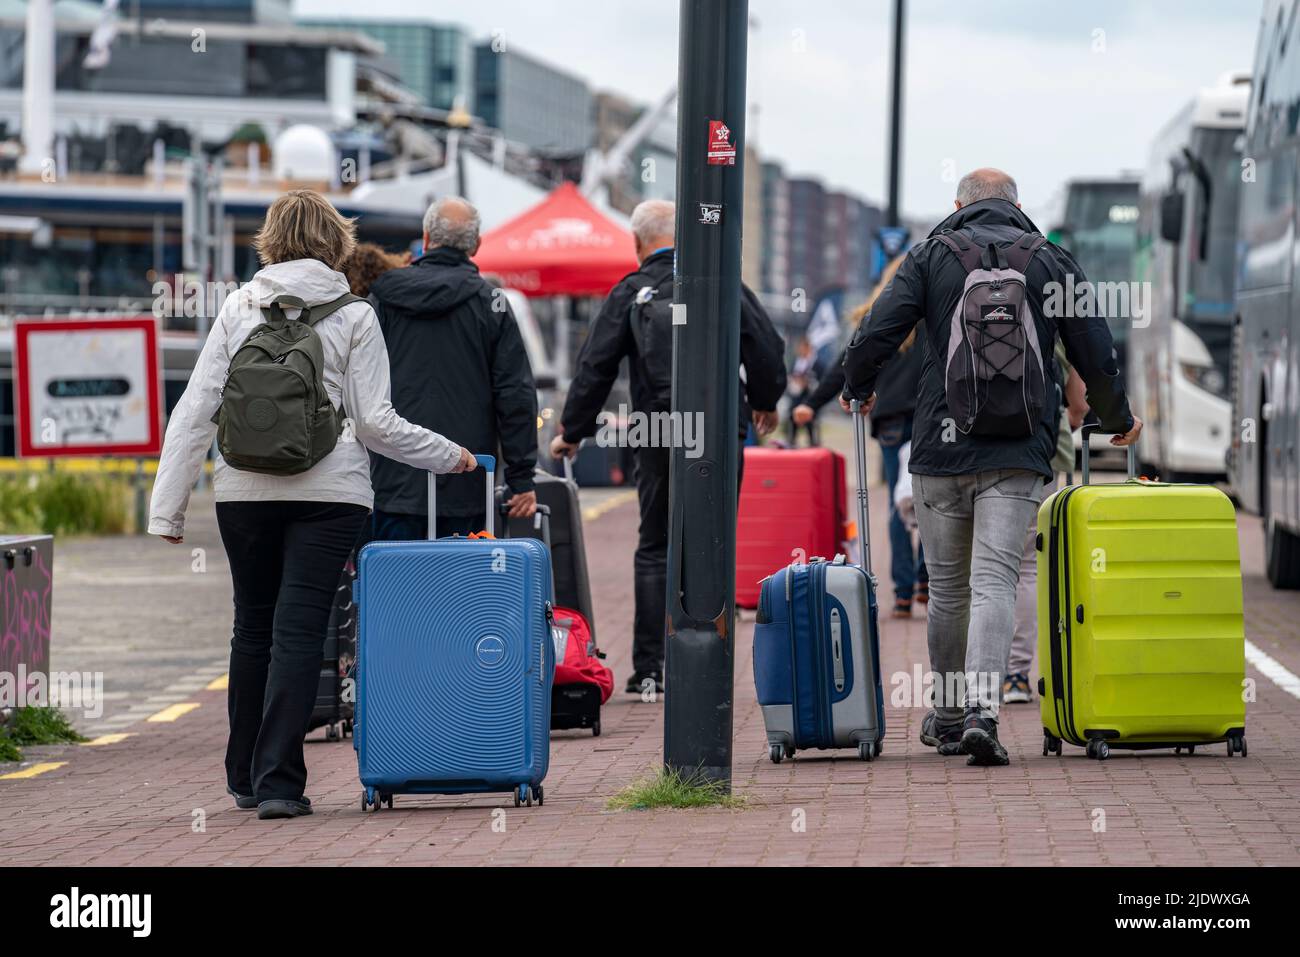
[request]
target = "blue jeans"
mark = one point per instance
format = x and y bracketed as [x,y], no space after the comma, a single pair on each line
[906,566]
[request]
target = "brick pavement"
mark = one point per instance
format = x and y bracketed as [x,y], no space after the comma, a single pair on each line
[157,797]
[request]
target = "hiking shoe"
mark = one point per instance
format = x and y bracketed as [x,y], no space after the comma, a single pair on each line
[283,807]
[902,608]
[979,739]
[1015,689]
[945,738]
[644,681]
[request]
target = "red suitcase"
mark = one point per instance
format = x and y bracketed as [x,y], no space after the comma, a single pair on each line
[790,500]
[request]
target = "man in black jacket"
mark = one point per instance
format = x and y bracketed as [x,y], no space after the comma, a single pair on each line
[459,368]
[610,339]
[976,493]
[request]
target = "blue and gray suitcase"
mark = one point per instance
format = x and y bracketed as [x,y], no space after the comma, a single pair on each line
[817,650]
[455,662]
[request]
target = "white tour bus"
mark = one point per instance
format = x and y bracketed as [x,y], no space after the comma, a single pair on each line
[1262,463]
[1179,352]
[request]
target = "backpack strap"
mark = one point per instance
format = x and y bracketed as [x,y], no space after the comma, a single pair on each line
[311,315]
[1019,253]
[966,251]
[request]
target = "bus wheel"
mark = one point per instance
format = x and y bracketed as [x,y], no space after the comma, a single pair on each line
[1282,555]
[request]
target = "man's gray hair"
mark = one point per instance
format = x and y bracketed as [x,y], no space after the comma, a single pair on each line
[987,183]
[458,232]
[652,219]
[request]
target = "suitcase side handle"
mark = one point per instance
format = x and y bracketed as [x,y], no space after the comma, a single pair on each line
[1089,429]
[860,460]
[486,461]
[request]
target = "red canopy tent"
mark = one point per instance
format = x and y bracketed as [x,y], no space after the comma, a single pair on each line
[563,246]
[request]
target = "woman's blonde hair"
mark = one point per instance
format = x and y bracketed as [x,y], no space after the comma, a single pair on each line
[864,310]
[302,224]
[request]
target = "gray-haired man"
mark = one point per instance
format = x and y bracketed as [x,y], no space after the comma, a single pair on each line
[459,367]
[978,488]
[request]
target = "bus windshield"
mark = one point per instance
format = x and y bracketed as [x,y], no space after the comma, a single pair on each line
[1210,247]
[1100,230]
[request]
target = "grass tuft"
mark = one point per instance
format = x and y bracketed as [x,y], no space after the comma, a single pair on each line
[28,726]
[8,750]
[671,789]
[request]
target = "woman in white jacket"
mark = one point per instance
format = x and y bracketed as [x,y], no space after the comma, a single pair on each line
[287,537]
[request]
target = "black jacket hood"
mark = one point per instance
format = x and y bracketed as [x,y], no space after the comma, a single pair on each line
[987,212]
[433,285]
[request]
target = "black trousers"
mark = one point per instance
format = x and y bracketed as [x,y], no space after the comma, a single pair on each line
[650,564]
[285,560]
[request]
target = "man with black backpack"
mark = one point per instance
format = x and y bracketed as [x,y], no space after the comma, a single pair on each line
[636,322]
[987,285]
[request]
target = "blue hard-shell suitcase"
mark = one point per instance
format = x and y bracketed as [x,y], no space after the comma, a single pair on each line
[455,662]
[817,649]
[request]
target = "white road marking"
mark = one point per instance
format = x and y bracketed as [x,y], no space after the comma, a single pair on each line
[1273,670]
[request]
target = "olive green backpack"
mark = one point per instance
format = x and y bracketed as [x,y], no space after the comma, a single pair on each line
[275,416]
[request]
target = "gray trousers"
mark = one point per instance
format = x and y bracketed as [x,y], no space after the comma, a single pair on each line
[973,530]
[1025,641]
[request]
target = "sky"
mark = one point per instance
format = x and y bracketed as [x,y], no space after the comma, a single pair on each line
[1046,89]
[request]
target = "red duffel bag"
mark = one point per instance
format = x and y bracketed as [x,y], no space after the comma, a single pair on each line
[581,663]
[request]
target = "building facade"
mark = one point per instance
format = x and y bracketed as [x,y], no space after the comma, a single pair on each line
[531,102]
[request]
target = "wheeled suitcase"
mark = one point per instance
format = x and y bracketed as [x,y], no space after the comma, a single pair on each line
[568,547]
[792,506]
[1141,641]
[817,649]
[455,662]
[334,704]
[582,684]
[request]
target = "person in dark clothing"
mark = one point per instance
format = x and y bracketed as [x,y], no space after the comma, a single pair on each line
[976,493]
[891,426]
[809,369]
[612,337]
[458,367]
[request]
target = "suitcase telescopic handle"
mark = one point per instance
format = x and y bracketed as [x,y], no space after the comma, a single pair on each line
[485,461]
[860,460]
[1094,428]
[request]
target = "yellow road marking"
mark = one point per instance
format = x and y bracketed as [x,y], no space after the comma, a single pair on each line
[103,739]
[34,770]
[591,513]
[218,684]
[173,712]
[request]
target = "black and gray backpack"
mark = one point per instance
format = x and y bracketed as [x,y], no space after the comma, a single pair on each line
[993,372]
[275,416]
[652,330]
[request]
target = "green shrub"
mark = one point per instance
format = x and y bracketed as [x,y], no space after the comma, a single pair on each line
[8,750]
[64,503]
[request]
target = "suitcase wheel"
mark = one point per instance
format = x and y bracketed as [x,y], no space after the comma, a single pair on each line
[595,729]
[1237,745]
[368,799]
[523,795]
[538,796]
[331,732]
[775,753]
[1097,749]
[347,728]
[867,750]
[1051,745]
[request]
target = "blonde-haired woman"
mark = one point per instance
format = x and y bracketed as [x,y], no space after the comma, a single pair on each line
[891,426]
[288,536]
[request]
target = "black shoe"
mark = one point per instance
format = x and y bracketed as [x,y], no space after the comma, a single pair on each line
[979,739]
[245,802]
[637,684]
[945,738]
[283,807]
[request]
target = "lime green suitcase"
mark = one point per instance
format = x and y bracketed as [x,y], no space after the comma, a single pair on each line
[1141,642]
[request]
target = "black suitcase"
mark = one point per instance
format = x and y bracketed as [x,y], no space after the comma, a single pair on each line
[334,698]
[575,706]
[568,548]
